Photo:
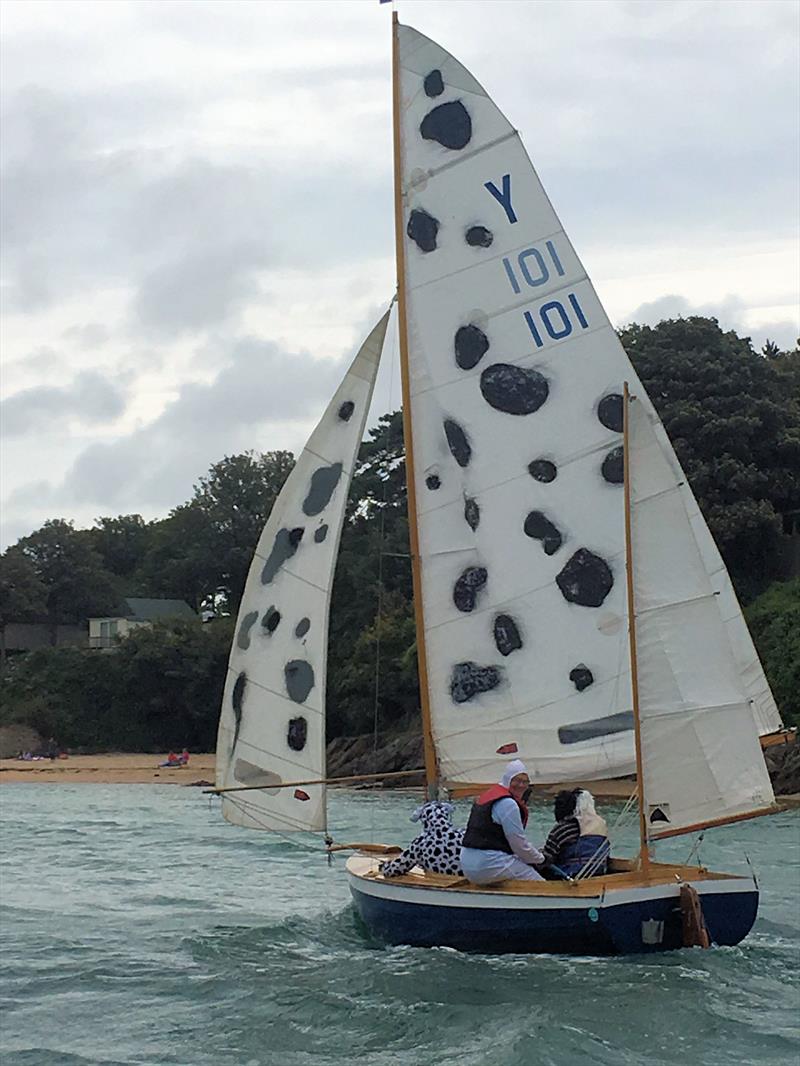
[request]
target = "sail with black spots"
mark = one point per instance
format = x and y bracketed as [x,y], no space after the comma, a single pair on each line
[272,725]
[515,377]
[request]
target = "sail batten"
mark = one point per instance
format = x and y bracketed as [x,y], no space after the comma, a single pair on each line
[272,725]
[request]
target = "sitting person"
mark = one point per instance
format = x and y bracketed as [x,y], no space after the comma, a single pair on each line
[495,846]
[564,833]
[578,842]
[437,848]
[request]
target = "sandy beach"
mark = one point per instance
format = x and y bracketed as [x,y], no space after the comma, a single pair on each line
[113,769]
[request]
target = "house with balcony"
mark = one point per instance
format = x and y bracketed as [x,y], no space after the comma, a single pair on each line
[132,613]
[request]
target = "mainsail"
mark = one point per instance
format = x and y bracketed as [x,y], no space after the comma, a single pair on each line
[272,726]
[515,379]
[701,757]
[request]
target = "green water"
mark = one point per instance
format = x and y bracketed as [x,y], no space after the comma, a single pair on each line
[138,927]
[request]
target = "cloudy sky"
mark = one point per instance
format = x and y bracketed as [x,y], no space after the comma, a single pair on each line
[197,207]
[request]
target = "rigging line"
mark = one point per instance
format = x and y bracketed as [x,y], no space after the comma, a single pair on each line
[301,845]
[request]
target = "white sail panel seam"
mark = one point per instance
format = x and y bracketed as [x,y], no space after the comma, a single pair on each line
[464,157]
[527,709]
[273,692]
[494,605]
[526,299]
[511,361]
[488,260]
[524,478]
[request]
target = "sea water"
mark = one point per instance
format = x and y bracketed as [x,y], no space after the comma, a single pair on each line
[139,927]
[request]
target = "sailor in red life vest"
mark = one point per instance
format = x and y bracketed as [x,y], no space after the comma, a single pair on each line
[495,847]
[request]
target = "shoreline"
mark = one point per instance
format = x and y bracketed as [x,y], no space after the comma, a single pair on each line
[142,768]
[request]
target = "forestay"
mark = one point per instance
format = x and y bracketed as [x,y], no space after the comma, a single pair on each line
[272,726]
[516,378]
[701,757]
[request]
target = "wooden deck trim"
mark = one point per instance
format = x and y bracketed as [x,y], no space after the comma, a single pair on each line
[659,874]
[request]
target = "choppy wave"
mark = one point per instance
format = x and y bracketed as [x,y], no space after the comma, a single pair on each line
[141,929]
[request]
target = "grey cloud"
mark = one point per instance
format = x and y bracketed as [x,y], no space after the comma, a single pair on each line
[89,335]
[90,398]
[264,387]
[197,292]
[730,312]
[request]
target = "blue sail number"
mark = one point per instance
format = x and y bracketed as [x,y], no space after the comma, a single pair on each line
[556,319]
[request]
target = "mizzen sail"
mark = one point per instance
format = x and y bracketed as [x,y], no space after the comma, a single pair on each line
[515,380]
[272,725]
[701,757]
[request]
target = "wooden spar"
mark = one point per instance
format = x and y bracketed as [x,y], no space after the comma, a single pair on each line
[368,849]
[643,841]
[696,827]
[781,736]
[431,763]
[316,781]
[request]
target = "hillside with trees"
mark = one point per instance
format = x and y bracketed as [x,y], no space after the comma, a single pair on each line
[733,415]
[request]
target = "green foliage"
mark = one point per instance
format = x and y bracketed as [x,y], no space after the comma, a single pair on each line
[161,689]
[774,621]
[202,552]
[71,571]
[121,543]
[734,419]
[23,595]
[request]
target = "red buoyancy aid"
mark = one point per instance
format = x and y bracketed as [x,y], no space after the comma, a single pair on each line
[496,792]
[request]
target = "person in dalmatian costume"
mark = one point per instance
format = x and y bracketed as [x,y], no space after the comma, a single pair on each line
[437,848]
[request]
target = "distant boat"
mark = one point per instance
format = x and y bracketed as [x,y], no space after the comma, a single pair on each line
[572,607]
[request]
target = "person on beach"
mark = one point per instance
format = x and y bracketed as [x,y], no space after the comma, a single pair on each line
[495,845]
[578,842]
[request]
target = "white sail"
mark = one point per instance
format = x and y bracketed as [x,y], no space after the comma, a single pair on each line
[701,757]
[516,378]
[272,725]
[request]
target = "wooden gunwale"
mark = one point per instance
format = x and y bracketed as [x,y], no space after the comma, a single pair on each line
[590,887]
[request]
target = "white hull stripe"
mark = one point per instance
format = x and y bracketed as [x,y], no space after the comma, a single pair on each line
[495,901]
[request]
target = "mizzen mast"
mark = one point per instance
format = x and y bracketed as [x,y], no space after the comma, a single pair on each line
[431,763]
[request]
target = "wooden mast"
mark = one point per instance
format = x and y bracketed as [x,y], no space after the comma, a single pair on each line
[431,765]
[643,841]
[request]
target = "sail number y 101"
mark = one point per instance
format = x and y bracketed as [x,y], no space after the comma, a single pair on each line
[533,267]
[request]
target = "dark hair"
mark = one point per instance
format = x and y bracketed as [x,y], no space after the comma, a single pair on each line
[564,804]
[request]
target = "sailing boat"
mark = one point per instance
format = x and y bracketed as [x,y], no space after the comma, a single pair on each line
[571,606]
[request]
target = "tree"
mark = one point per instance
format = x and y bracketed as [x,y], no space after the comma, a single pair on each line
[76,583]
[736,429]
[121,543]
[774,620]
[203,551]
[22,593]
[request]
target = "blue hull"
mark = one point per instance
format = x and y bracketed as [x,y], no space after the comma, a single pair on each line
[598,928]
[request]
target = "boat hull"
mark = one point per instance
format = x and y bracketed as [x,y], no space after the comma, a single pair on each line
[630,920]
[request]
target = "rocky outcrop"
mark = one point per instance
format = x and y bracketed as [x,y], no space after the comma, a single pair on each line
[17,738]
[783,763]
[348,756]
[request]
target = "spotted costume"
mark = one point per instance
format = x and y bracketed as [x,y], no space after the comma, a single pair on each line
[437,848]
